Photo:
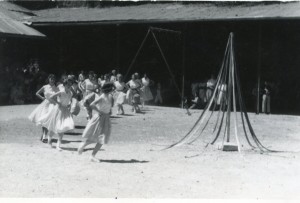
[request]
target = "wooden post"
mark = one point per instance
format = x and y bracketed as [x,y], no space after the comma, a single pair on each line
[118,49]
[183,63]
[61,51]
[258,70]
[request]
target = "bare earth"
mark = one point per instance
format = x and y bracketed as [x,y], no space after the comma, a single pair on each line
[133,167]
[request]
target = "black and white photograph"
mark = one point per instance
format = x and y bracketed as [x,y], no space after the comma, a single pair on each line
[150,100]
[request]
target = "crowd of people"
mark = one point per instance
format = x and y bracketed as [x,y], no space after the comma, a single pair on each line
[19,84]
[22,83]
[202,93]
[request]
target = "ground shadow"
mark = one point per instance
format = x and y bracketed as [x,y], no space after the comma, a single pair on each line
[115,117]
[131,161]
[65,141]
[74,141]
[79,127]
[127,114]
[72,133]
[73,149]
[147,110]
[134,114]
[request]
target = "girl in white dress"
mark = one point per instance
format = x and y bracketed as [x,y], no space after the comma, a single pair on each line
[98,129]
[119,95]
[89,86]
[75,106]
[147,95]
[133,93]
[59,120]
[46,105]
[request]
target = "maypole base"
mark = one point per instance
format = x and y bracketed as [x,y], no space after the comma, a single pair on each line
[230,147]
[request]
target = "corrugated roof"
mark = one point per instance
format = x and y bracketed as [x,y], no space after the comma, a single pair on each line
[160,12]
[14,11]
[10,27]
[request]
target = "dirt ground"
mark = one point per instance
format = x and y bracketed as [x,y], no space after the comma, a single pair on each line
[133,167]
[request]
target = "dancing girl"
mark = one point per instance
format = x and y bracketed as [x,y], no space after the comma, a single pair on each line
[59,120]
[98,129]
[46,105]
[133,93]
[89,86]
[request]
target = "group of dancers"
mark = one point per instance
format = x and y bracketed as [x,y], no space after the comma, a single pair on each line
[63,101]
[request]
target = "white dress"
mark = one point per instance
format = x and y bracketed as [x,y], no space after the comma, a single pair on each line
[119,95]
[59,119]
[43,108]
[147,94]
[210,88]
[134,89]
[89,87]
[98,128]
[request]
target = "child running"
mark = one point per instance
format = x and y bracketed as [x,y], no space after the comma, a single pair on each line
[133,93]
[98,128]
[46,105]
[119,95]
[59,120]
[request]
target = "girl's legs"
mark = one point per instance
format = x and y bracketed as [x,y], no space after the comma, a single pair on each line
[160,99]
[118,107]
[60,136]
[136,108]
[45,131]
[43,134]
[143,104]
[122,109]
[268,102]
[83,145]
[96,149]
[89,113]
[50,135]
[264,99]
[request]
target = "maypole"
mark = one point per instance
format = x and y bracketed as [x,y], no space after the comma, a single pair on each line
[228,96]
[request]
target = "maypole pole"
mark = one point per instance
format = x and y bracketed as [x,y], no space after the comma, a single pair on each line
[233,91]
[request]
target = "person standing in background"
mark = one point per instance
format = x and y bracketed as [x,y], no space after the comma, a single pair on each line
[266,99]
[211,83]
[158,99]
[113,77]
[146,92]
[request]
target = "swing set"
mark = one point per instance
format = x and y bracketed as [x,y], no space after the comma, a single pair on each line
[151,32]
